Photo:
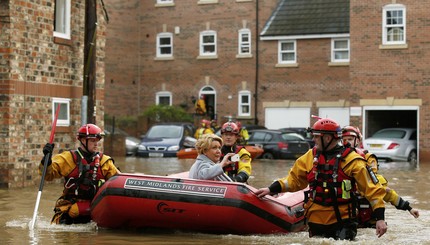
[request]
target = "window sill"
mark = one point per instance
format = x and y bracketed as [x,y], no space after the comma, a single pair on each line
[207,2]
[59,40]
[393,46]
[243,56]
[63,129]
[164,58]
[207,57]
[338,63]
[161,5]
[293,65]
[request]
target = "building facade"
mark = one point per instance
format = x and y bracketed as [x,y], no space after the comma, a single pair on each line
[275,63]
[42,60]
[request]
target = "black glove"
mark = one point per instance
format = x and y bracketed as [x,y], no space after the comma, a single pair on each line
[48,148]
[241,177]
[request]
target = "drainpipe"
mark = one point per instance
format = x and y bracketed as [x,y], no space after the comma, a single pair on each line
[89,85]
[256,64]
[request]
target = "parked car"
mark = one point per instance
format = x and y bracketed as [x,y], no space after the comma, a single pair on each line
[303,132]
[393,144]
[131,143]
[278,144]
[166,139]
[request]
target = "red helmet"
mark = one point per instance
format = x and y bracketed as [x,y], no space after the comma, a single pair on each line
[205,122]
[351,131]
[326,126]
[230,127]
[90,131]
[239,125]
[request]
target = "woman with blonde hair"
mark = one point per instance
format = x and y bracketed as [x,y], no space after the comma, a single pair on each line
[207,165]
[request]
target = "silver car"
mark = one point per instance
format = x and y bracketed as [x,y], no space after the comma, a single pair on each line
[393,144]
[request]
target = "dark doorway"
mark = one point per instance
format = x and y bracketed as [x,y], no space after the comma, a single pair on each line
[378,119]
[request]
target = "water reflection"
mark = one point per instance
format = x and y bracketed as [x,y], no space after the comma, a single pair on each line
[16,210]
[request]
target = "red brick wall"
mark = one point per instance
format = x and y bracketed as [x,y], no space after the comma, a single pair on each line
[400,73]
[34,68]
[185,75]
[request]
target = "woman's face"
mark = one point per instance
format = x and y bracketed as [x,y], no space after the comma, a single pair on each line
[214,151]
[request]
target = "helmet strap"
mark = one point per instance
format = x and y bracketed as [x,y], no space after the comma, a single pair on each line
[85,145]
[324,147]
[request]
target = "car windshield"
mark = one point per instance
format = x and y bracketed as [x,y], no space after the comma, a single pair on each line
[390,134]
[164,131]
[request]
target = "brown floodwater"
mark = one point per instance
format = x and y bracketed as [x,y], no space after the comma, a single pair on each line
[17,207]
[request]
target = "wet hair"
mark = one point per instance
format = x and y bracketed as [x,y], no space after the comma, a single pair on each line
[204,143]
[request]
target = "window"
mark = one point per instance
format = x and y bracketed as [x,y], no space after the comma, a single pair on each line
[64,113]
[62,19]
[164,98]
[287,52]
[340,50]
[244,103]
[165,44]
[208,43]
[394,24]
[244,41]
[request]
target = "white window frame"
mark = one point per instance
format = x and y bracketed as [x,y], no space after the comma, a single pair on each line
[335,50]
[289,51]
[62,19]
[160,46]
[244,44]
[163,94]
[64,114]
[242,104]
[202,45]
[386,27]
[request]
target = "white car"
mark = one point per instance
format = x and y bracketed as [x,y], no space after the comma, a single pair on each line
[393,144]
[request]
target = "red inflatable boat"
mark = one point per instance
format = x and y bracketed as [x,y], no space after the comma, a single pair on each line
[176,203]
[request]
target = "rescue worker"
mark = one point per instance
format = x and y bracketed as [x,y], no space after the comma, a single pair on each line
[332,172]
[238,170]
[243,134]
[351,137]
[200,106]
[84,171]
[214,125]
[205,128]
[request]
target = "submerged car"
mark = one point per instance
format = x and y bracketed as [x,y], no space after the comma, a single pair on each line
[393,144]
[278,144]
[165,140]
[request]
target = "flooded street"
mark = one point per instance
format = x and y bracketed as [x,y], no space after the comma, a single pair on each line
[17,206]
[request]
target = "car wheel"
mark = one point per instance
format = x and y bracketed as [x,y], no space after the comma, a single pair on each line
[412,158]
[267,155]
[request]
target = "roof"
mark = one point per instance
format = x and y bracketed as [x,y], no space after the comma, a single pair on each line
[308,17]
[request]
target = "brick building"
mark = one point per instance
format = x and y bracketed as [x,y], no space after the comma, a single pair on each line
[42,53]
[274,62]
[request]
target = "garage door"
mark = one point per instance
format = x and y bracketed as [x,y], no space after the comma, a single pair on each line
[276,118]
[339,114]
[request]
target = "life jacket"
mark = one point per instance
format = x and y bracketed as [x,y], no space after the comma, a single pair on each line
[84,180]
[231,169]
[329,185]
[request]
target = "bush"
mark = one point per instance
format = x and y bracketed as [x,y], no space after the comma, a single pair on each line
[163,113]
